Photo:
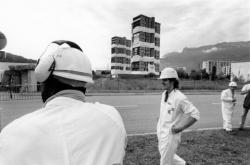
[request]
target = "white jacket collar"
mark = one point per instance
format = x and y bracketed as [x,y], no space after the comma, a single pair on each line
[69,94]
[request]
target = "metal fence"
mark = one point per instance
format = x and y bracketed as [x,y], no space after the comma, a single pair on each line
[19,92]
[25,92]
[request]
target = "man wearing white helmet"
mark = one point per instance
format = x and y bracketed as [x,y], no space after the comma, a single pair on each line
[67,130]
[176,114]
[228,99]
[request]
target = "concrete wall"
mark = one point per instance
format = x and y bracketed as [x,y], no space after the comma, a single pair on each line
[28,81]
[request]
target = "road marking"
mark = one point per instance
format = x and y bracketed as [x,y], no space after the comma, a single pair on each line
[142,134]
[125,106]
[188,130]
[216,103]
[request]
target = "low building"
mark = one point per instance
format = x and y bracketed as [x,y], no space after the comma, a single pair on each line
[240,70]
[222,67]
[18,75]
[5,66]
[102,72]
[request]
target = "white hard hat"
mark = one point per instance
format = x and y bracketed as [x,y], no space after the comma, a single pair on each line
[232,84]
[64,61]
[168,73]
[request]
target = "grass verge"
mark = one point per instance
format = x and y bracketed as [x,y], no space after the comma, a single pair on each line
[213,147]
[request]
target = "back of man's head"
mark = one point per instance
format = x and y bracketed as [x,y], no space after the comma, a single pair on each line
[62,66]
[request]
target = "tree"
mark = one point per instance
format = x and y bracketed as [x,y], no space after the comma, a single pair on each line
[204,74]
[94,75]
[195,75]
[182,74]
[213,74]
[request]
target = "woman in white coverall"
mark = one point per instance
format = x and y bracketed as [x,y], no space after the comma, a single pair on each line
[176,114]
[228,99]
[67,130]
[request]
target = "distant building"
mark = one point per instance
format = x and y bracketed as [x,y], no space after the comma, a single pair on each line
[120,56]
[181,68]
[145,45]
[241,70]
[222,67]
[5,66]
[102,72]
[2,54]
[19,75]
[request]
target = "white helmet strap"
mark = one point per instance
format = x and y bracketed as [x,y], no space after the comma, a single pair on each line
[70,43]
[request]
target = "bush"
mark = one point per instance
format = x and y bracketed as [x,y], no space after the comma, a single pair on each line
[195,75]
[182,74]
[204,74]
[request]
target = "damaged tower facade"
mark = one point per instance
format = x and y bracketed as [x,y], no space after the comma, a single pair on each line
[120,56]
[145,45]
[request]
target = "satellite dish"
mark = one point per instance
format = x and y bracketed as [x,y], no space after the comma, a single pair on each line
[3,41]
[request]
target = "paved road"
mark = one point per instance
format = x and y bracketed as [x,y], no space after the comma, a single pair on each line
[139,112]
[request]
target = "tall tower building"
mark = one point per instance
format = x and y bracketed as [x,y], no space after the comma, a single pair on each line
[145,45]
[120,56]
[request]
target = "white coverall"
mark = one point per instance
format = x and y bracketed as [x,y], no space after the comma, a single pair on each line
[171,113]
[227,108]
[66,131]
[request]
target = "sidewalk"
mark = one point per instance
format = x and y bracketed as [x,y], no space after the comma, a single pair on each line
[5,96]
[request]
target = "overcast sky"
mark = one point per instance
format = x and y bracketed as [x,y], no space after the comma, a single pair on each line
[30,25]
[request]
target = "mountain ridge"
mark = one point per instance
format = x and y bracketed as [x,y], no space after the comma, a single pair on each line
[192,58]
[9,57]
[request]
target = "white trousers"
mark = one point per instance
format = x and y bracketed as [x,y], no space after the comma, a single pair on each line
[167,149]
[227,113]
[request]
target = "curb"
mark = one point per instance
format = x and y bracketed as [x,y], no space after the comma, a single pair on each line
[188,130]
[152,93]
